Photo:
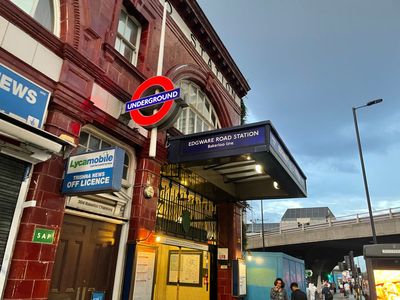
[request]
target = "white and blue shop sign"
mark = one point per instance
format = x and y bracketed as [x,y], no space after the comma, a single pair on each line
[21,98]
[94,172]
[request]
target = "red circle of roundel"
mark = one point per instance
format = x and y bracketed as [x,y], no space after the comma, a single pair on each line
[143,120]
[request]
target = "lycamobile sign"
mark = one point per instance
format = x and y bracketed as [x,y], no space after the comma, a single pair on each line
[94,172]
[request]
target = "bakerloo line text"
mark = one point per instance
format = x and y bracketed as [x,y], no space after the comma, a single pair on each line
[224,138]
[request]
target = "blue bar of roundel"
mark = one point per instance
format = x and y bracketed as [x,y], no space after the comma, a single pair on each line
[128,105]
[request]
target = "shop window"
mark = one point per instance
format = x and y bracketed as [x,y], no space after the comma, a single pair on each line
[200,115]
[128,36]
[45,12]
[90,142]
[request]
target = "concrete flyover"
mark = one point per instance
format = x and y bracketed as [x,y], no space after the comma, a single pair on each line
[323,245]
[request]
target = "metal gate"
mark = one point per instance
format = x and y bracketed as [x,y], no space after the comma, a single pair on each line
[182,210]
[11,176]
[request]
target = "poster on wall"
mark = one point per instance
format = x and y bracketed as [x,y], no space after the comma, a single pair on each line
[188,270]
[242,277]
[239,278]
[144,275]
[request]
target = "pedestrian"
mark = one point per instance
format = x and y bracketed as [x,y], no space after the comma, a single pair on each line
[326,291]
[346,289]
[297,294]
[311,291]
[334,287]
[365,289]
[278,292]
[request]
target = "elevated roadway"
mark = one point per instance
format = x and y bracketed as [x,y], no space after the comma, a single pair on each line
[323,245]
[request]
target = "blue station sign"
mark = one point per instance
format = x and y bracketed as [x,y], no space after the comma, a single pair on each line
[224,141]
[21,98]
[94,172]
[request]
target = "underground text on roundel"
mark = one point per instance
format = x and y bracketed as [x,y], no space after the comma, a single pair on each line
[152,100]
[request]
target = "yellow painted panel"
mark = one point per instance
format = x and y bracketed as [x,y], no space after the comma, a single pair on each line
[163,291]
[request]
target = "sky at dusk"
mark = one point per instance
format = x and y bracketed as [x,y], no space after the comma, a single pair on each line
[308,62]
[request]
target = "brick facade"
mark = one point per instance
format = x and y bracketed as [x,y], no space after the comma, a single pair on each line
[86,46]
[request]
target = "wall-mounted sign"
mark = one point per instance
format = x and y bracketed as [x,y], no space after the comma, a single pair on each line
[21,98]
[43,236]
[166,114]
[223,254]
[94,172]
[144,274]
[239,277]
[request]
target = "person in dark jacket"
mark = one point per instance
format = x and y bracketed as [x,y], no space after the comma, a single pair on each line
[297,294]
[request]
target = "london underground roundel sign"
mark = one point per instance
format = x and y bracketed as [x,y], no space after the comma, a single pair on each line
[141,107]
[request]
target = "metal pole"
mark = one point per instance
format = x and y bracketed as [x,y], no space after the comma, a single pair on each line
[262,225]
[371,217]
[153,133]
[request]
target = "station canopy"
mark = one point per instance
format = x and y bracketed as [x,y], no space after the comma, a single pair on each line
[246,162]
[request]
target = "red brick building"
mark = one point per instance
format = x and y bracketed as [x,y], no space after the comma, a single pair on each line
[67,68]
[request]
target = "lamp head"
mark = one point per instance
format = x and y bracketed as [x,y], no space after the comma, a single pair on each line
[374,102]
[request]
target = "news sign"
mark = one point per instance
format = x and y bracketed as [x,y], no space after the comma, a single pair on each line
[21,98]
[94,172]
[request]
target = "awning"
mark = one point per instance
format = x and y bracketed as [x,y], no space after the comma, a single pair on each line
[34,144]
[247,162]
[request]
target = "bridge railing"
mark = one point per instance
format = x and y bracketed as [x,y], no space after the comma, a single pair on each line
[329,222]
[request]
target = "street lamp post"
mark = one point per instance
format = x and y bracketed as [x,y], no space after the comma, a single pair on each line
[262,225]
[371,217]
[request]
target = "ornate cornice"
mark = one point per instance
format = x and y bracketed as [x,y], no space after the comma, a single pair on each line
[198,23]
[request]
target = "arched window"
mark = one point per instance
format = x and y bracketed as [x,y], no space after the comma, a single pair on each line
[46,12]
[200,115]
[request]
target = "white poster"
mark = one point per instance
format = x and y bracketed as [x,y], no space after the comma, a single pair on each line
[144,275]
[242,277]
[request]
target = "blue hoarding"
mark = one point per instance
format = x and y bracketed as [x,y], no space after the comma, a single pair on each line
[21,98]
[96,171]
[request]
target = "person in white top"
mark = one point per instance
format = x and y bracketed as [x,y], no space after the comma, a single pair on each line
[311,291]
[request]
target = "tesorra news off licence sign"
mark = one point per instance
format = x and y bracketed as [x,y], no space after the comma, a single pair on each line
[94,172]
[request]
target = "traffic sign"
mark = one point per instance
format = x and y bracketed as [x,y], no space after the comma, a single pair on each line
[164,115]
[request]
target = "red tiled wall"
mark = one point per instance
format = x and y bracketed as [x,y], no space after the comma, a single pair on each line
[32,263]
[143,214]
[229,236]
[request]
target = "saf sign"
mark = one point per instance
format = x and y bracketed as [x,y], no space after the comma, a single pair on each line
[166,114]
[43,236]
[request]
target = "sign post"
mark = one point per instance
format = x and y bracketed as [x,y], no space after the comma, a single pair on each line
[153,134]
[148,95]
